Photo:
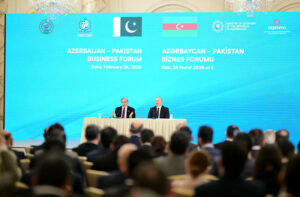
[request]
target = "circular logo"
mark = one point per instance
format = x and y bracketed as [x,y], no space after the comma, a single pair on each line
[277,22]
[46,26]
[218,26]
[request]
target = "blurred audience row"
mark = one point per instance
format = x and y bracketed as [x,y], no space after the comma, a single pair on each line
[253,163]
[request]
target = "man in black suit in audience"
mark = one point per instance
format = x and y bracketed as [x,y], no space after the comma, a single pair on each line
[231,132]
[124,111]
[232,163]
[257,137]
[108,162]
[107,136]
[92,135]
[188,131]
[205,138]
[135,132]
[159,111]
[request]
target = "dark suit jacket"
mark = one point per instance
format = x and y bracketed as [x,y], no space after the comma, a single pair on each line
[107,162]
[114,179]
[85,148]
[164,112]
[91,156]
[230,187]
[221,144]
[118,111]
[214,154]
[134,139]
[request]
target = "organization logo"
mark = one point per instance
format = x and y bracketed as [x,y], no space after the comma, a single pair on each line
[127,26]
[46,26]
[218,26]
[85,25]
[277,28]
[276,22]
[180,26]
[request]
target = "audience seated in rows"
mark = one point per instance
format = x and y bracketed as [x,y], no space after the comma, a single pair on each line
[92,135]
[107,136]
[174,162]
[232,163]
[108,161]
[231,132]
[197,166]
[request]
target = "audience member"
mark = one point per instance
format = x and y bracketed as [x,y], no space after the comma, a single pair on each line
[9,171]
[205,138]
[107,135]
[9,143]
[173,163]
[232,164]
[135,131]
[287,150]
[197,166]
[188,131]
[118,177]
[269,136]
[267,167]
[244,140]
[282,134]
[53,176]
[231,132]
[92,135]
[257,137]
[108,162]
[158,146]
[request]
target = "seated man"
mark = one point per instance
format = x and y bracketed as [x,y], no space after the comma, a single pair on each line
[92,135]
[159,111]
[9,142]
[124,111]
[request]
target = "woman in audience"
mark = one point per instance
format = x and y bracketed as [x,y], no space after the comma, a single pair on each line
[267,167]
[197,166]
[158,145]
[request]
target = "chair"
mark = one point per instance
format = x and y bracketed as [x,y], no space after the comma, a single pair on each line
[27,149]
[210,177]
[93,175]
[87,165]
[25,164]
[94,192]
[29,156]
[81,159]
[177,177]
[21,186]
[183,192]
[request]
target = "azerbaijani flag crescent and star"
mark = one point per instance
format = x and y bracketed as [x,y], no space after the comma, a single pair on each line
[180,26]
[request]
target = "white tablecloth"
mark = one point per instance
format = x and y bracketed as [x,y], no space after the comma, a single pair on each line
[163,127]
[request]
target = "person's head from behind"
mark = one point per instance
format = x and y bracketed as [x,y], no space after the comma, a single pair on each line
[257,137]
[158,145]
[269,136]
[268,161]
[8,138]
[119,141]
[205,135]
[232,131]
[123,155]
[56,131]
[55,145]
[292,176]
[136,127]
[282,134]
[146,136]
[147,176]
[136,158]
[198,163]
[179,143]
[243,139]
[186,130]
[53,170]
[124,102]
[92,133]
[287,149]
[233,159]
[107,136]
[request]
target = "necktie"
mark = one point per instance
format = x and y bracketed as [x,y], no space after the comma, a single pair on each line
[158,112]
[123,112]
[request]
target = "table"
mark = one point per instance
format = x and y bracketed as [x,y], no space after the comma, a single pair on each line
[162,127]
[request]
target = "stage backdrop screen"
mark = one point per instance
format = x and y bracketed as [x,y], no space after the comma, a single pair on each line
[212,69]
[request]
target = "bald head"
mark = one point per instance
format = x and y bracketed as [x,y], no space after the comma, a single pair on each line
[136,127]
[123,155]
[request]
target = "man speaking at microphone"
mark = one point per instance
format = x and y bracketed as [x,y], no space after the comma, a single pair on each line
[124,111]
[159,111]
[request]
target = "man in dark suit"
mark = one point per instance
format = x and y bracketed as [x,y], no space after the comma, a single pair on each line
[92,135]
[124,111]
[232,163]
[135,133]
[159,111]
[231,132]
